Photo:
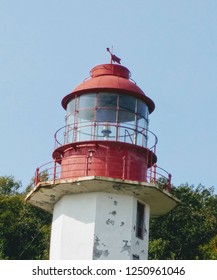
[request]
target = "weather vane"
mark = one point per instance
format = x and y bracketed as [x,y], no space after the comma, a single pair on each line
[114,58]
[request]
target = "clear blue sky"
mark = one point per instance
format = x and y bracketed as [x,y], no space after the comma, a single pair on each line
[47,47]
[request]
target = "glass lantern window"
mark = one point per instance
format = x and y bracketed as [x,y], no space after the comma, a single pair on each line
[86,115]
[142,110]
[70,112]
[126,117]
[71,107]
[127,103]
[107,116]
[105,100]
[87,101]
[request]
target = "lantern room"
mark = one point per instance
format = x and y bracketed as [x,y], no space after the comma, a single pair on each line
[107,114]
[106,130]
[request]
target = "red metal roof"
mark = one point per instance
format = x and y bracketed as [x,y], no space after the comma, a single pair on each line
[109,77]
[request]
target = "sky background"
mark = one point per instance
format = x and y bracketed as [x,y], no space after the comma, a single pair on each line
[48,47]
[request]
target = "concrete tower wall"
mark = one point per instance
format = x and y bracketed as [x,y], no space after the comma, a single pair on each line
[97,226]
[72,234]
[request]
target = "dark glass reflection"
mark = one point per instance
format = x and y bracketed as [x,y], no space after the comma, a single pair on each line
[106,115]
[107,100]
[127,103]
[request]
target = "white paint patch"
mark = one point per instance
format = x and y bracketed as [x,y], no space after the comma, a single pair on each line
[73,225]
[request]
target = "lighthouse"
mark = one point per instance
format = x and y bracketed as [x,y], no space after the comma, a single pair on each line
[102,185]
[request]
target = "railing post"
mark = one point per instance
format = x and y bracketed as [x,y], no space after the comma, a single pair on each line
[54,171]
[152,169]
[36,179]
[124,168]
[169,182]
[87,165]
[155,173]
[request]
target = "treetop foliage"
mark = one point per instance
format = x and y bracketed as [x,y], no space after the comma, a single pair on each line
[24,229]
[187,232]
[9,186]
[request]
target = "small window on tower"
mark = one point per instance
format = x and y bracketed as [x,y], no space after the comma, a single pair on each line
[140,220]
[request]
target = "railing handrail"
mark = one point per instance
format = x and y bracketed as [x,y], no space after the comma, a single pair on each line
[144,132]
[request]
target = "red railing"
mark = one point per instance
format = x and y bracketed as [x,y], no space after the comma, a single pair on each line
[53,171]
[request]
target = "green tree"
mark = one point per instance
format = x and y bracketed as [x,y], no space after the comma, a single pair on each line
[8,185]
[209,251]
[24,229]
[185,232]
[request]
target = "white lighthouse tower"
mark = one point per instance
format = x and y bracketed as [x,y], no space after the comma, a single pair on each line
[102,183]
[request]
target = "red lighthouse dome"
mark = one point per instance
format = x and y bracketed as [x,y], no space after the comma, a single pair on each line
[106,129]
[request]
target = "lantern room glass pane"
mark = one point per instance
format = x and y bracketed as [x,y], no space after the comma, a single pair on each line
[141,138]
[142,124]
[86,115]
[71,107]
[142,109]
[67,134]
[106,131]
[84,132]
[70,119]
[70,112]
[87,101]
[127,135]
[107,100]
[127,103]
[126,117]
[105,115]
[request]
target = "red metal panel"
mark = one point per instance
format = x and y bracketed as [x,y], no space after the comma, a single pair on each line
[110,69]
[107,159]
